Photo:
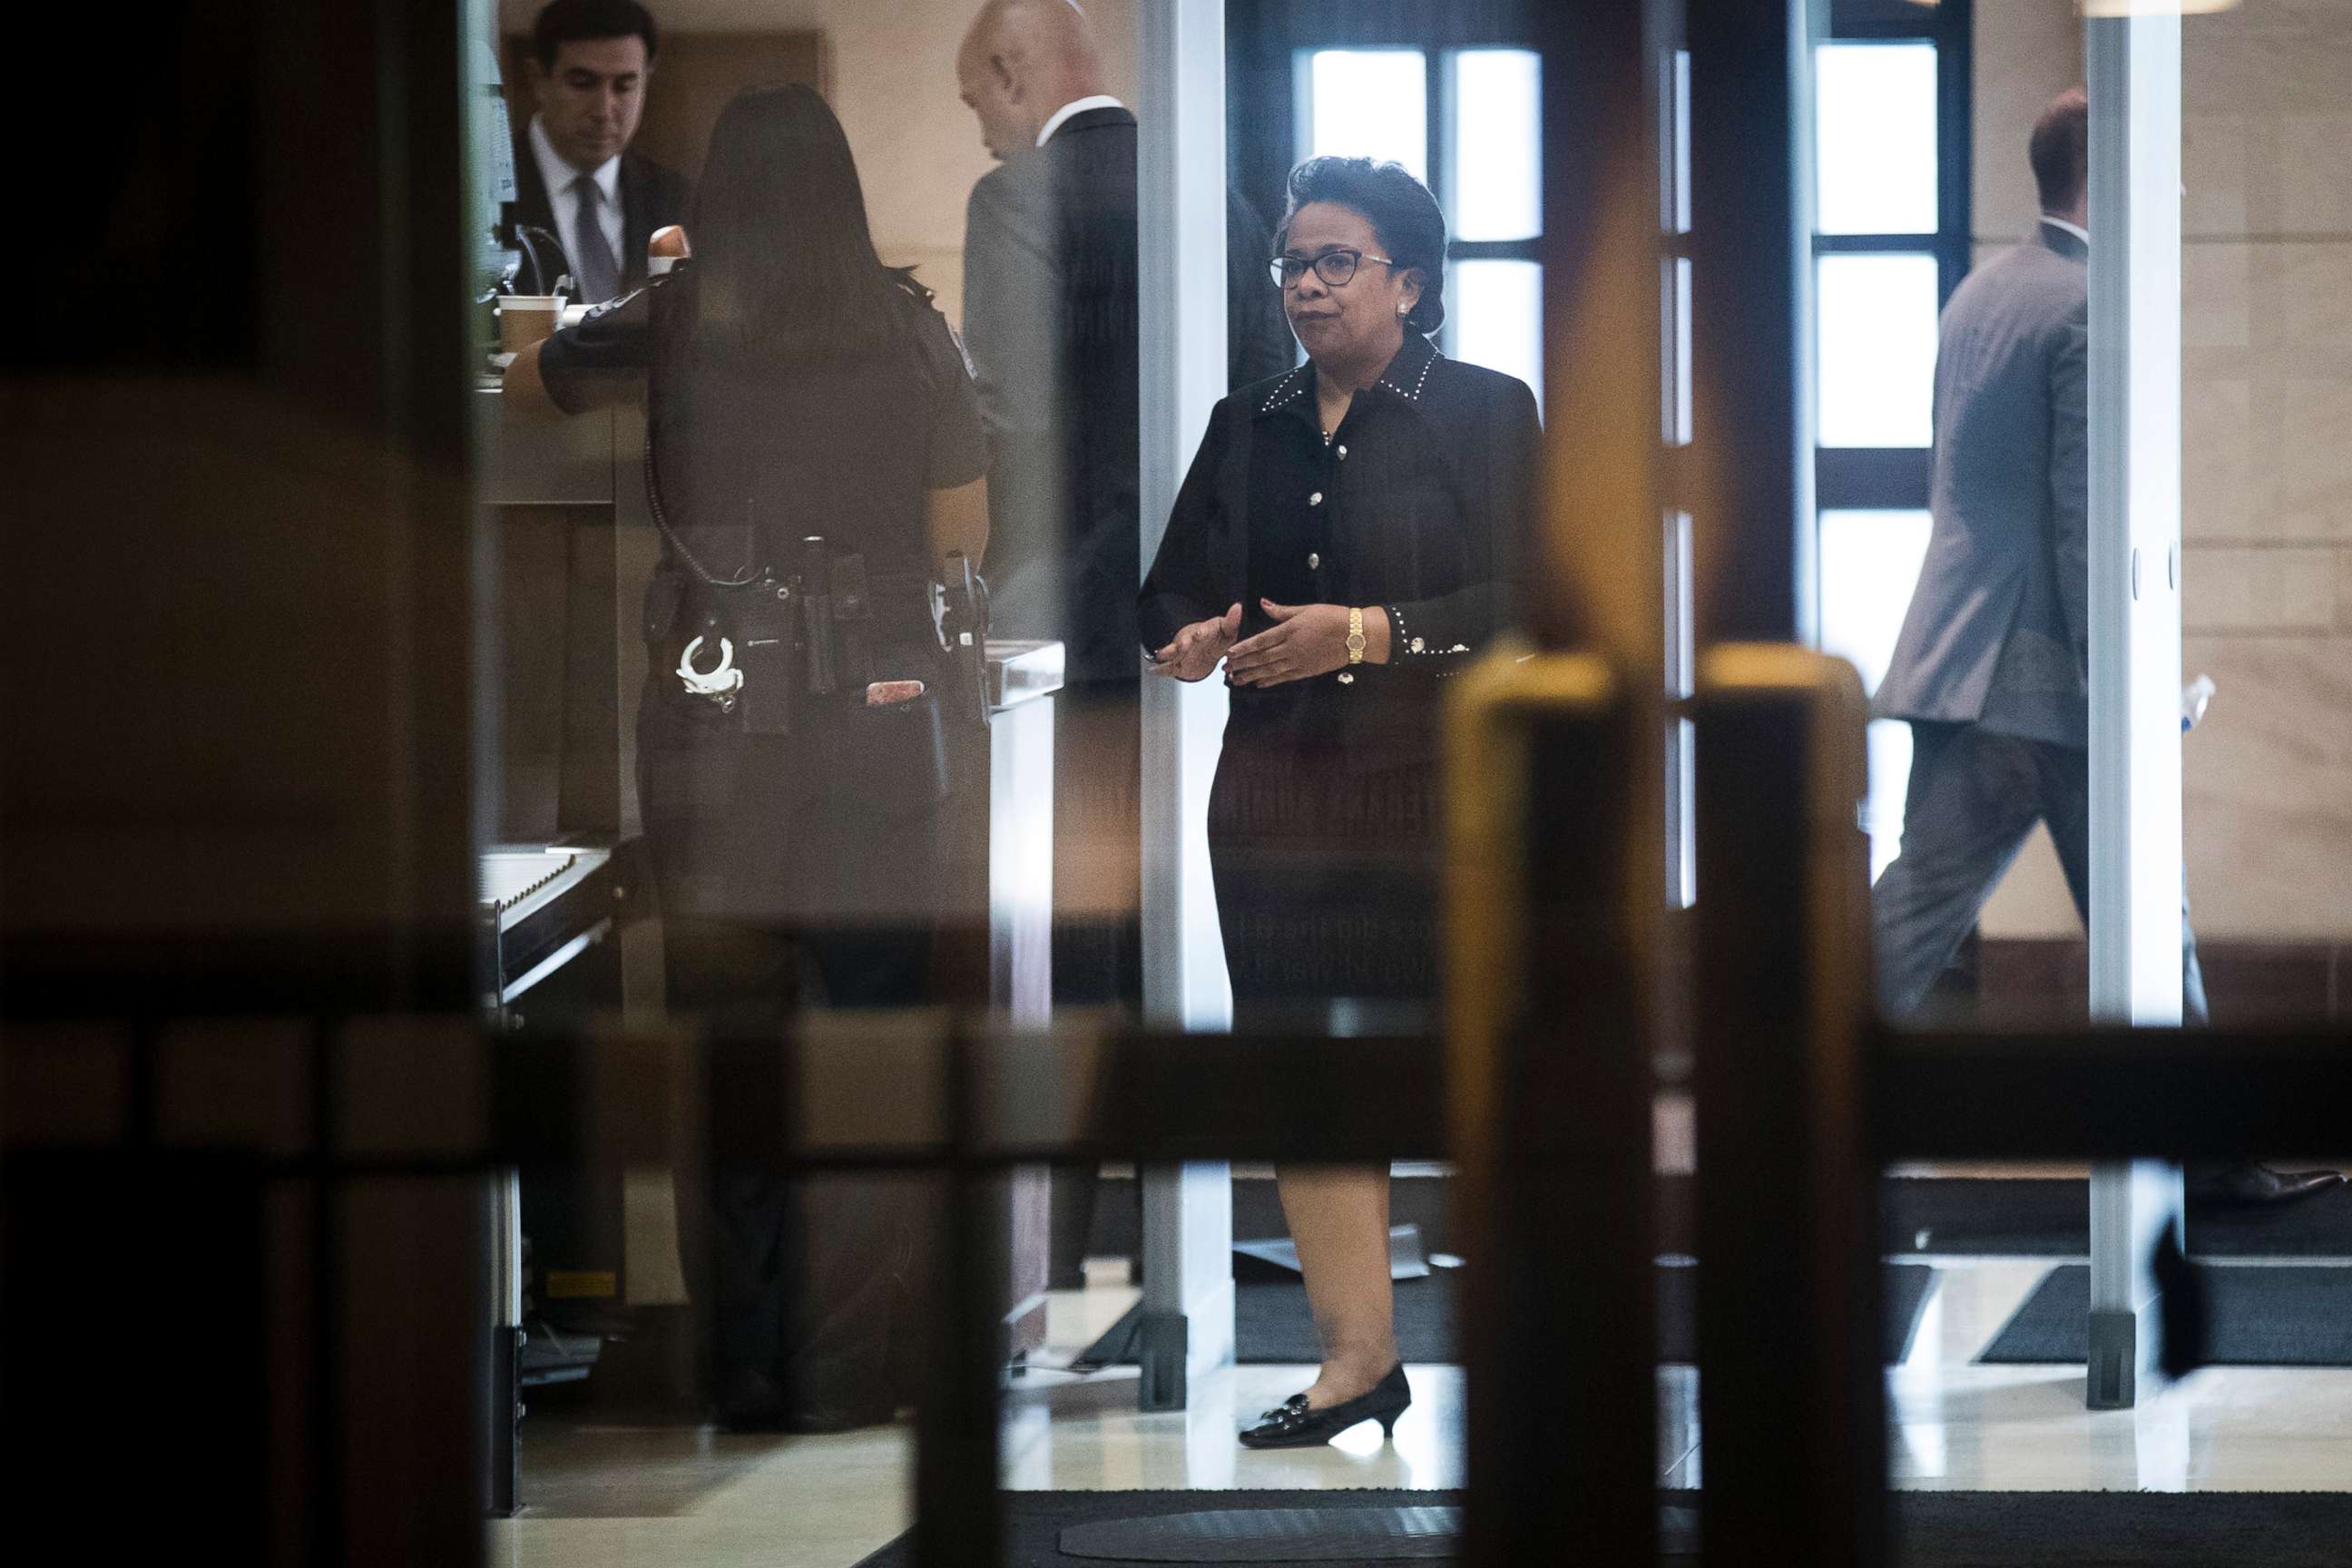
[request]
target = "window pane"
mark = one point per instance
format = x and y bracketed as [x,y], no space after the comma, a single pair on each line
[1679,431]
[1874,138]
[1869,564]
[1368,103]
[1682,175]
[1497,169]
[1496,309]
[1877,362]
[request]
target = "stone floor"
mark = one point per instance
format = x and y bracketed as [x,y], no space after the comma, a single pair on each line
[612,1496]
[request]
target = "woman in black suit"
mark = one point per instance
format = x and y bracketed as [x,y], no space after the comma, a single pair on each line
[1349,534]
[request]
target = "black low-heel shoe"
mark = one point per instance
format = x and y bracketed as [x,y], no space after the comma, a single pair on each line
[1292,1425]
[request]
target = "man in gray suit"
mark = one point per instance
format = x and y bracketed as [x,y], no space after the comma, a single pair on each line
[1992,665]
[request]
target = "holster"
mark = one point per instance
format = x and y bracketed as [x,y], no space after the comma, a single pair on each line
[770,652]
[964,628]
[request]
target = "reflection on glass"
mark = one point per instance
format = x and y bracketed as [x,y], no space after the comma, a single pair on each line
[1874,138]
[1869,564]
[1877,368]
[1496,165]
[1496,311]
[1368,103]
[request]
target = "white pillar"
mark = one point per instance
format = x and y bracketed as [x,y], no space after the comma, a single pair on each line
[2133,69]
[1180,187]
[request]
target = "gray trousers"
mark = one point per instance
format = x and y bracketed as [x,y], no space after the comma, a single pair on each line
[1974,795]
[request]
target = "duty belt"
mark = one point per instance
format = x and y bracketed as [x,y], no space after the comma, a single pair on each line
[765,644]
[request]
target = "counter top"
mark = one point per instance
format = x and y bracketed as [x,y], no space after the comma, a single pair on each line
[1022,671]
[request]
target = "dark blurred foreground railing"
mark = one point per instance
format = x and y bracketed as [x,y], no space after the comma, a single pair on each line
[1540,1087]
[418,1103]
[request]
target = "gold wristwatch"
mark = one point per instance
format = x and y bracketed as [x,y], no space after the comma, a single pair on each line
[1355,636]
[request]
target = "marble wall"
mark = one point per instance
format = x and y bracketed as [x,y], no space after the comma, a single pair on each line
[2266,469]
[2266,460]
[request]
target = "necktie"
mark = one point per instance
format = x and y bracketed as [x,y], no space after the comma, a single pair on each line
[595,272]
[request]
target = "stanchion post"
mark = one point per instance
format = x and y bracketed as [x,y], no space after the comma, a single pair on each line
[958,1513]
[1791,1391]
[1550,900]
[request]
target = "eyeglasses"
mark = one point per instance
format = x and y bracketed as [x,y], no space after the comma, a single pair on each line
[1336,268]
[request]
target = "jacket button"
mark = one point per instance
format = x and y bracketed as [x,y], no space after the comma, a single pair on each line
[1417,645]
[1343,451]
[1313,561]
[1315,499]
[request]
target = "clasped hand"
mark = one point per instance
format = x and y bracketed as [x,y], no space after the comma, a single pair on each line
[1194,652]
[1305,640]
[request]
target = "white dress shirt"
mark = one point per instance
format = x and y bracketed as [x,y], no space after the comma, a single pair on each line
[1075,106]
[2077,230]
[564,202]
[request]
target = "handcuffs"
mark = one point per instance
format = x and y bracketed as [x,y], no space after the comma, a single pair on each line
[721,682]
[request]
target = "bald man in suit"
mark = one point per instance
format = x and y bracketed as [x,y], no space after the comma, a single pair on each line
[1052,322]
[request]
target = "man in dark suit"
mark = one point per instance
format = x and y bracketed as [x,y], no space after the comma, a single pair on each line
[574,176]
[1051,323]
[1992,668]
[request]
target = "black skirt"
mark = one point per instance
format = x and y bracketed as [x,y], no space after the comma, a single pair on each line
[1327,861]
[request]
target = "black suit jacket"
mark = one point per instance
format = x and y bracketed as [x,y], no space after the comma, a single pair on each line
[1431,516]
[1051,321]
[652,196]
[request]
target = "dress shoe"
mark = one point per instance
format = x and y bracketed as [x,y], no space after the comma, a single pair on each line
[2248,1183]
[1295,1425]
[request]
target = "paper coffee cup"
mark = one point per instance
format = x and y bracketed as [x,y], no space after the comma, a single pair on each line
[525,319]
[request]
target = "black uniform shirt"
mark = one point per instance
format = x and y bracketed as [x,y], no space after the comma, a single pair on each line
[752,456]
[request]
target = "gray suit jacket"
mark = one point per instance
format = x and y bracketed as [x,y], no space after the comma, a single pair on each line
[1997,632]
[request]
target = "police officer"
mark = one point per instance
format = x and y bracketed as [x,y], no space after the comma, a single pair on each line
[815,453]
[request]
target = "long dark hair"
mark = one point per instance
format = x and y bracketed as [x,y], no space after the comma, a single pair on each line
[784,262]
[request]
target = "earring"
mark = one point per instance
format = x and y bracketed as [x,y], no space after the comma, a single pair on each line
[1404,310]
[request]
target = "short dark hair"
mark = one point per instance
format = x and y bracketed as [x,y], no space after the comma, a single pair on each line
[563,22]
[1399,207]
[2060,150]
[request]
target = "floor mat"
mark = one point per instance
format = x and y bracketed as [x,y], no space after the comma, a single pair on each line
[2046,1218]
[1958,1217]
[2256,1315]
[1273,1327]
[1930,1530]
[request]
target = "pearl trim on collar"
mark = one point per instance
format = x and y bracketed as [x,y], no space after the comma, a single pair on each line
[1284,390]
[1290,385]
[1419,381]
